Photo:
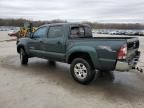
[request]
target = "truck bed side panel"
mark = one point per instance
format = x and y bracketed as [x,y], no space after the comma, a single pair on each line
[106,50]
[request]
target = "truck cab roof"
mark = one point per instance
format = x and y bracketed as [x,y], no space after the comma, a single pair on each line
[67,24]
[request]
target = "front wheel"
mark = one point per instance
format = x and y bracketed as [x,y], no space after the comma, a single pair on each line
[23,57]
[82,71]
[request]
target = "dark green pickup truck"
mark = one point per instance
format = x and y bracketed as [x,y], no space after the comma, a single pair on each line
[74,44]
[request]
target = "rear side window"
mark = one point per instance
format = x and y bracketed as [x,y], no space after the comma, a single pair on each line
[55,31]
[77,31]
[40,33]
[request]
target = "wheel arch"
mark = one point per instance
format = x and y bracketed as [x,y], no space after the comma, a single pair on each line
[19,47]
[76,51]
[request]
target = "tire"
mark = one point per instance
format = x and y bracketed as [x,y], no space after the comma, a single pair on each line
[23,57]
[82,71]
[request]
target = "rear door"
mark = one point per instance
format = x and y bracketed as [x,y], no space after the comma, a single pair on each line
[54,46]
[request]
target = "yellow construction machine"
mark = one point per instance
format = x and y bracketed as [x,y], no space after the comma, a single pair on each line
[27,28]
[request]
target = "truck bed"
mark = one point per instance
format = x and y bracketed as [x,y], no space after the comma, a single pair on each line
[132,42]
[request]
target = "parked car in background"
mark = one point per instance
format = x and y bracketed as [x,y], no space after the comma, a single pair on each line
[13,33]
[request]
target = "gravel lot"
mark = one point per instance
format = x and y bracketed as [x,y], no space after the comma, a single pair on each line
[45,85]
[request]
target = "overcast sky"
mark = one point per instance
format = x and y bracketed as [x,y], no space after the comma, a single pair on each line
[129,11]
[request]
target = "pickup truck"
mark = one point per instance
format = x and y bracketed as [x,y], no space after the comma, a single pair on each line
[73,43]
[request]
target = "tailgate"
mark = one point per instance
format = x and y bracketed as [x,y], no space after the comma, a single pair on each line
[132,47]
[132,56]
[133,53]
[133,43]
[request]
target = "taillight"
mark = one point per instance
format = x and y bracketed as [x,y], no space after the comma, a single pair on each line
[122,52]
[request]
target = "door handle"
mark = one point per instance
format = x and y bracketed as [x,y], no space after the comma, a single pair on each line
[59,42]
[41,41]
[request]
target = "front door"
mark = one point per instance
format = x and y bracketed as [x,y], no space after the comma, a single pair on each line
[36,40]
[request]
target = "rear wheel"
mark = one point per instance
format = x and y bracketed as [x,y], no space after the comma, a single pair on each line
[23,57]
[82,71]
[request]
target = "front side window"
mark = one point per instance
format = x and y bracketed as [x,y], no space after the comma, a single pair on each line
[40,33]
[55,31]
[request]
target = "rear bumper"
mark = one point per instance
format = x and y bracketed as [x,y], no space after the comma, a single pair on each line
[122,66]
[129,64]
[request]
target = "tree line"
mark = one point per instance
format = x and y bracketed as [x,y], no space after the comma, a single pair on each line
[20,23]
[116,25]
